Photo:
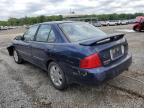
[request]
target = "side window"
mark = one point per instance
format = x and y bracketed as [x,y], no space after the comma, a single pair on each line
[52,37]
[43,33]
[30,33]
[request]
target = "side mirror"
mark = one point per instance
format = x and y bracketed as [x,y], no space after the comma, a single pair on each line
[19,38]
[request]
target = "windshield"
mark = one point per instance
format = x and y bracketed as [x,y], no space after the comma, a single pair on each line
[78,31]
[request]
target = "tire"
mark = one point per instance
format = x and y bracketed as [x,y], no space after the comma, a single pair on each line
[17,57]
[136,28]
[57,76]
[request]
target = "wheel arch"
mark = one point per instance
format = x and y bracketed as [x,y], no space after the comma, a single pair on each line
[49,61]
[137,26]
[10,50]
[59,63]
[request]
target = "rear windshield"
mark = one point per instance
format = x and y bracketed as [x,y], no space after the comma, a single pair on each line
[79,31]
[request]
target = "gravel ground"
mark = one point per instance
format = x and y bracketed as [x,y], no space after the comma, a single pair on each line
[26,86]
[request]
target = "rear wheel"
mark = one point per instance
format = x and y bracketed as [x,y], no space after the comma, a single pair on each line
[57,76]
[17,57]
[137,28]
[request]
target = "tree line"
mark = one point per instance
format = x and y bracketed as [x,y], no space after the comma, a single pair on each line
[30,20]
[40,19]
[114,16]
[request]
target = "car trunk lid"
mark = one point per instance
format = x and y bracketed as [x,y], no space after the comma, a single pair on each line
[110,48]
[109,38]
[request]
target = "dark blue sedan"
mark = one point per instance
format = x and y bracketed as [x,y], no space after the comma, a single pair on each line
[72,52]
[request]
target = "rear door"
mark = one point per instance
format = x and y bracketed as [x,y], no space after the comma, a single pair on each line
[43,45]
[24,46]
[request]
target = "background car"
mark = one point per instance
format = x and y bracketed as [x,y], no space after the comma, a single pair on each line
[124,22]
[139,25]
[97,24]
[111,23]
[103,23]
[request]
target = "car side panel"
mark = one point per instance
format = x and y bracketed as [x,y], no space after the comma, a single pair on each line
[68,57]
[23,49]
[41,53]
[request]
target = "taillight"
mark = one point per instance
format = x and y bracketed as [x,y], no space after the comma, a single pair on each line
[92,61]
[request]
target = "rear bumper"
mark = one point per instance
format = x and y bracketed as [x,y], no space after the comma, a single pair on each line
[99,75]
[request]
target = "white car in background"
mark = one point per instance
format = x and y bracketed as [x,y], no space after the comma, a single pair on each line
[111,23]
[103,23]
[124,22]
[97,24]
[3,28]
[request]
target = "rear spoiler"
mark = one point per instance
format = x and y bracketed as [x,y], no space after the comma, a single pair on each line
[109,38]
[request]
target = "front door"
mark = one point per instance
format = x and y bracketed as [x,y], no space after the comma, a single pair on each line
[24,47]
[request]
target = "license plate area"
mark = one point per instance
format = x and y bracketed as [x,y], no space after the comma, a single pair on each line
[117,52]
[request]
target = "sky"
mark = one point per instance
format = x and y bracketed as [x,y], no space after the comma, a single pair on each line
[22,8]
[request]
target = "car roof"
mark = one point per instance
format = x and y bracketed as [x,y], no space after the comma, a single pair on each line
[56,22]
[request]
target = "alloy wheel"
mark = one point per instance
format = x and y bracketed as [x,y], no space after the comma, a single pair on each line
[15,55]
[56,75]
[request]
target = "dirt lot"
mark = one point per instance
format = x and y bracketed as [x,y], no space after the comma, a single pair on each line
[26,86]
